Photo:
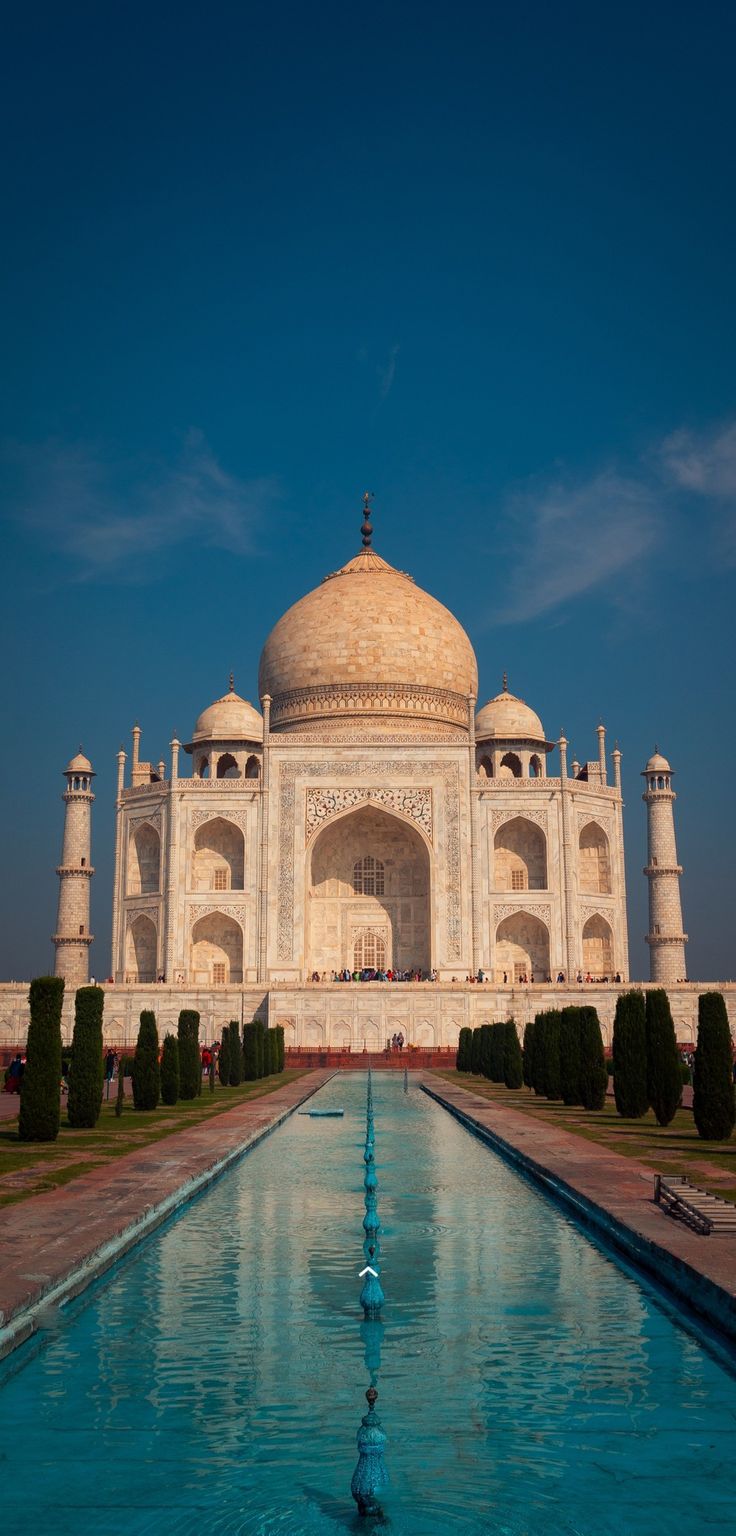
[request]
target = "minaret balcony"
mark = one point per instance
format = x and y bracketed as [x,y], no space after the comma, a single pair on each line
[72,938]
[662,869]
[75,869]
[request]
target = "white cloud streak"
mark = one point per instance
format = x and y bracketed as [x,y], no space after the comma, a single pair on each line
[569,540]
[118,521]
[704,464]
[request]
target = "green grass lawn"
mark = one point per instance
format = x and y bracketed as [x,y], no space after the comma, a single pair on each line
[674,1149]
[27,1168]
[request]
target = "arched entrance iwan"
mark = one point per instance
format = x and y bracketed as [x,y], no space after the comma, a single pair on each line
[368,892]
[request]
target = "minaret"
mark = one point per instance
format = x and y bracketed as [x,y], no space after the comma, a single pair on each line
[665,938]
[72,937]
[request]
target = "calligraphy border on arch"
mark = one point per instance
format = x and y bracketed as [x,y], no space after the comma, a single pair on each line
[290,772]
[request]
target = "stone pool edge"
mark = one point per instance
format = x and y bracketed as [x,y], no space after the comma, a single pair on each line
[686,1283]
[25,1320]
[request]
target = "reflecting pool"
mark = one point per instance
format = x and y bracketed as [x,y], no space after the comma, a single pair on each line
[214,1383]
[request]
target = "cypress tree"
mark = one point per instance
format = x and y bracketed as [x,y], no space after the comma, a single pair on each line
[190,1064]
[273,1052]
[86,1074]
[250,1053]
[475,1052]
[281,1060]
[485,1050]
[120,1096]
[170,1070]
[146,1071]
[223,1057]
[547,1054]
[570,1055]
[464,1049]
[495,1055]
[513,1073]
[713,1089]
[236,1054]
[593,1070]
[40,1113]
[260,1039]
[538,1053]
[664,1079]
[630,1056]
[528,1054]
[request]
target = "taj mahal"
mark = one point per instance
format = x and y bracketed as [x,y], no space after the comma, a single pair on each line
[373,815]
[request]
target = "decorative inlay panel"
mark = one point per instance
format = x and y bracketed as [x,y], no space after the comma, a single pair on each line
[586,817]
[290,772]
[509,909]
[198,818]
[143,911]
[322,804]
[224,909]
[326,699]
[141,817]
[498,817]
[605,912]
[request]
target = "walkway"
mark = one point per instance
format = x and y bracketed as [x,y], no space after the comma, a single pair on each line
[54,1244]
[613,1194]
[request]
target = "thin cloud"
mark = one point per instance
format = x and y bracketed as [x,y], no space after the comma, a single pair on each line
[387,373]
[704,464]
[115,520]
[566,541]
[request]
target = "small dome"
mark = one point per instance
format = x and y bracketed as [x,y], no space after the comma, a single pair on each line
[508,718]
[229,719]
[657,764]
[79,764]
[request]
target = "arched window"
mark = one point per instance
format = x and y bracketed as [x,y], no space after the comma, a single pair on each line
[520,856]
[510,766]
[203,768]
[369,949]
[218,863]
[535,767]
[368,878]
[595,860]
[144,861]
[485,768]
[227,767]
[598,948]
[252,768]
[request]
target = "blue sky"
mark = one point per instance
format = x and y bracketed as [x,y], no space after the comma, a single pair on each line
[477,258]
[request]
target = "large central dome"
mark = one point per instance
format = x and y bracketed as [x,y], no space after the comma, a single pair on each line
[368,642]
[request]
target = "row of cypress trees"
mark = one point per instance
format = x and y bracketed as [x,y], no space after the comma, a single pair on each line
[177,1075]
[646,1062]
[563,1056]
[493,1051]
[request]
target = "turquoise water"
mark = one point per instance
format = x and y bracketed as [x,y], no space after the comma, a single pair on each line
[214,1384]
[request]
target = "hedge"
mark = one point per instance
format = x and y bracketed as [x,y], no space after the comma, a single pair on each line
[547,1054]
[40,1114]
[223,1057]
[281,1048]
[630,1056]
[713,1089]
[250,1052]
[146,1071]
[86,1072]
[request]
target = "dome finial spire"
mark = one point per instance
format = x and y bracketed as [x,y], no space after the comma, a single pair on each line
[367,526]
[505,682]
[232,682]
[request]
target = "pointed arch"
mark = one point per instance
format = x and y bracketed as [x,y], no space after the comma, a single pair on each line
[520,856]
[218,862]
[595,860]
[522,947]
[216,957]
[144,860]
[141,945]
[598,957]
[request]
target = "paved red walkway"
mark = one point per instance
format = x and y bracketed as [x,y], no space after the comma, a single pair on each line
[54,1244]
[702,1270]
